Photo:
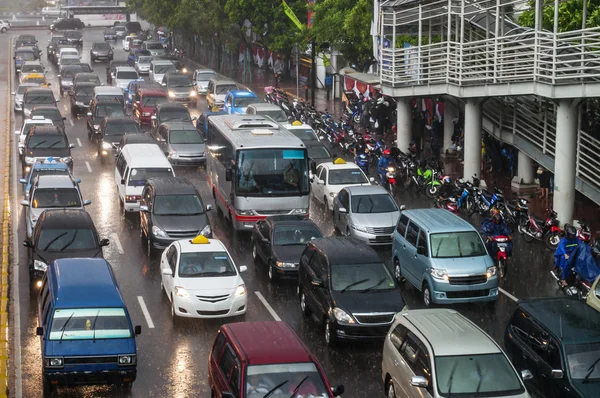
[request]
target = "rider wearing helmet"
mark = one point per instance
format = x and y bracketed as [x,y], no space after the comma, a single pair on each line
[565,248]
[383,164]
[495,226]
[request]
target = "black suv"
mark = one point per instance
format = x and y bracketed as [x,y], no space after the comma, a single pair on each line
[80,97]
[99,109]
[43,142]
[110,34]
[169,112]
[171,209]
[557,339]
[278,242]
[74,37]
[67,23]
[111,130]
[61,233]
[55,41]
[348,288]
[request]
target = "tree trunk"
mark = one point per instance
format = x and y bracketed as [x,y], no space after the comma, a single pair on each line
[265,62]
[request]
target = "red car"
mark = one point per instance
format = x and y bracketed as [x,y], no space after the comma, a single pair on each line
[255,359]
[144,102]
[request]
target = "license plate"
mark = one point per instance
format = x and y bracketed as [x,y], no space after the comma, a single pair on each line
[382,238]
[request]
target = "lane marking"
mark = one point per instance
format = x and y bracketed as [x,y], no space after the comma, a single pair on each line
[72,124]
[65,107]
[115,238]
[507,294]
[268,306]
[87,164]
[146,313]
[79,142]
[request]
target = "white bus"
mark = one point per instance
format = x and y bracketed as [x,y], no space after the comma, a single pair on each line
[256,169]
[106,13]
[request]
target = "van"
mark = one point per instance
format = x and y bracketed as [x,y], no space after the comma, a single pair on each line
[67,51]
[158,69]
[134,165]
[86,333]
[201,77]
[216,92]
[110,92]
[240,363]
[444,257]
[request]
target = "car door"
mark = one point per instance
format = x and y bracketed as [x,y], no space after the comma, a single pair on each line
[393,362]
[410,268]
[421,257]
[340,220]
[227,365]
[321,294]
[228,103]
[311,274]
[315,188]
[399,243]
[170,262]
[415,361]
[264,247]
[162,136]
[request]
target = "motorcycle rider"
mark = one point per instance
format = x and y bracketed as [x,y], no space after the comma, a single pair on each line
[495,226]
[447,190]
[383,164]
[360,147]
[567,245]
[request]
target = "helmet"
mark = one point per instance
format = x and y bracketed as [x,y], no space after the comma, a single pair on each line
[361,138]
[446,180]
[387,152]
[570,232]
[596,248]
[496,217]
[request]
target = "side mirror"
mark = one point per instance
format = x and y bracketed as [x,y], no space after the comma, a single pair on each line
[87,202]
[338,390]
[167,271]
[403,207]
[557,373]
[122,181]
[317,282]
[64,118]
[23,181]
[25,203]
[71,146]
[371,179]
[421,250]
[265,241]
[39,331]
[144,209]
[57,101]
[526,375]
[78,181]
[343,210]
[229,174]
[243,268]
[104,242]
[137,330]
[194,118]
[209,207]
[89,113]
[27,243]
[418,381]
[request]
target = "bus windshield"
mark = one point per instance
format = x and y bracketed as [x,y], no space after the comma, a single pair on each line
[272,172]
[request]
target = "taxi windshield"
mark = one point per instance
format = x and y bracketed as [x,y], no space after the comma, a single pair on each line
[89,323]
[347,177]
[177,205]
[205,264]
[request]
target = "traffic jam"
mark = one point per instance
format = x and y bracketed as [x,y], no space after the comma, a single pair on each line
[181,236]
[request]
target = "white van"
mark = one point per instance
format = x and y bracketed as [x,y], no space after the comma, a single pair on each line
[110,92]
[158,69]
[135,164]
[67,51]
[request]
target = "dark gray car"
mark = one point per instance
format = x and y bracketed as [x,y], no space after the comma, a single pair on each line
[182,143]
[65,77]
[101,51]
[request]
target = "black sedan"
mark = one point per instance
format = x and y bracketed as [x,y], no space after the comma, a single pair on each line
[81,95]
[49,112]
[61,233]
[278,242]
[169,112]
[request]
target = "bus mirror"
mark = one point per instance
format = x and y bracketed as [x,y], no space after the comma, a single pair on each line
[229,174]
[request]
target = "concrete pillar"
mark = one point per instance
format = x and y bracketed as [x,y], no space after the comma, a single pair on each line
[565,160]
[472,164]
[525,169]
[450,113]
[403,124]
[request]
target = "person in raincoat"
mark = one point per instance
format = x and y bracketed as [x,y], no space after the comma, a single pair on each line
[495,226]
[565,248]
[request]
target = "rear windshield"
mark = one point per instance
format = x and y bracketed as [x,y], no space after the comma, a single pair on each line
[118,129]
[32,69]
[224,88]
[244,101]
[175,114]
[114,110]
[127,75]
[69,60]
[161,69]
[85,91]
[40,99]
[69,73]
[457,244]
[154,46]
[46,198]
[88,78]
[25,55]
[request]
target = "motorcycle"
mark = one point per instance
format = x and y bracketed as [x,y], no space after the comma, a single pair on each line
[584,271]
[390,179]
[362,161]
[466,201]
[502,258]
[584,233]
[548,231]
[450,204]
[516,213]
[486,201]
[432,187]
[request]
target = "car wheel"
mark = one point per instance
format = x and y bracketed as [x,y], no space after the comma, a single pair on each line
[303,306]
[330,337]
[174,316]
[148,247]
[398,271]
[272,274]
[427,300]
[47,388]
[391,393]
[126,387]
[348,231]
[3,30]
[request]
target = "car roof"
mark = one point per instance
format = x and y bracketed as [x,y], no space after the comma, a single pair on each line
[35,75]
[568,318]
[342,250]
[39,90]
[171,105]
[70,67]
[162,62]
[108,90]
[86,74]
[125,69]
[446,330]
[66,219]
[367,190]
[145,155]
[140,138]
[156,91]
[38,120]
[171,186]
[179,126]
[222,81]
[265,106]
[438,220]
[45,165]
[55,181]
[84,283]
[213,245]
[278,343]
[86,84]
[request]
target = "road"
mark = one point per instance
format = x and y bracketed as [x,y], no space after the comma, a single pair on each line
[173,360]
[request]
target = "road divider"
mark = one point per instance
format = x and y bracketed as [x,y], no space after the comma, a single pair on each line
[146,313]
[268,306]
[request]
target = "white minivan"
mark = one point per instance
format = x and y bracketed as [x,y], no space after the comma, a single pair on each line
[135,164]
[67,51]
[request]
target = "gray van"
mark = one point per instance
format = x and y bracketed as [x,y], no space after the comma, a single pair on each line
[444,257]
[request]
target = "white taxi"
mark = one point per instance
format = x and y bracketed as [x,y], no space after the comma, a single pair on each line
[201,281]
[27,125]
[331,177]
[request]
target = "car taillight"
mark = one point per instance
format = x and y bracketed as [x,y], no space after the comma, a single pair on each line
[132,198]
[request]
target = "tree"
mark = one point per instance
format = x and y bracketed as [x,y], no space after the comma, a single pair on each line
[570,15]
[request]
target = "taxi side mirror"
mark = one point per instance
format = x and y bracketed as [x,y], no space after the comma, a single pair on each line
[39,331]
[137,330]
[167,271]
[104,242]
[227,395]
[229,174]
[27,243]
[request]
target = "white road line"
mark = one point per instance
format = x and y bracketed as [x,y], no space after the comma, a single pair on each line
[71,123]
[87,164]
[146,313]
[65,107]
[507,294]
[268,306]
[79,142]
[115,239]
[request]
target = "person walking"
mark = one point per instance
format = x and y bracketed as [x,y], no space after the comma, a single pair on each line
[544,177]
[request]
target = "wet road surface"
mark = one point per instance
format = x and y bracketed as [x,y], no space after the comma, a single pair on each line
[172,361]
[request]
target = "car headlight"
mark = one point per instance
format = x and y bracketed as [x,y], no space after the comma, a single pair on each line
[244,212]
[127,359]
[171,94]
[439,273]
[391,169]
[184,70]
[491,271]
[106,145]
[332,194]
[158,232]
[173,154]
[39,265]
[146,114]
[66,159]
[29,160]
[299,211]
[181,292]
[96,126]
[241,290]
[282,264]
[78,103]
[358,228]
[54,362]
[206,231]
[342,316]
[110,53]
[192,94]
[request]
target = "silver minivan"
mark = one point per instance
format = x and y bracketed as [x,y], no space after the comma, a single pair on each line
[201,77]
[444,257]
[437,353]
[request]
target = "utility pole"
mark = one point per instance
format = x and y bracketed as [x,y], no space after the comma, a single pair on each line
[313,71]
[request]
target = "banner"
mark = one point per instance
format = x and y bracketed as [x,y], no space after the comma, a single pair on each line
[290,13]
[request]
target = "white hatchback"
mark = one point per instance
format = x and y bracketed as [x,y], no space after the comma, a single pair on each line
[201,280]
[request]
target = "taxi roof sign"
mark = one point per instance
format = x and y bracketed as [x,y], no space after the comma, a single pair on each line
[339,161]
[200,240]
[297,123]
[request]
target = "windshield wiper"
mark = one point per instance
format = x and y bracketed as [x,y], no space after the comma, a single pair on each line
[354,284]
[451,378]
[54,143]
[478,368]
[54,240]
[271,391]
[70,242]
[591,370]
[64,327]
[38,144]
[94,326]
[375,285]
[298,387]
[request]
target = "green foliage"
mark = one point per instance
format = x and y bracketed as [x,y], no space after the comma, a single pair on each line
[570,15]
[414,40]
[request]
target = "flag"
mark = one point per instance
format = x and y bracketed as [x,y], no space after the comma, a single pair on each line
[290,13]
[326,61]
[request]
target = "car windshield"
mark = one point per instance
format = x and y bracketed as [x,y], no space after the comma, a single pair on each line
[32,69]
[205,264]
[120,28]
[181,115]
[304,134]
[90,323]
[86,68]
[180,81]
[73,34]
[138,177]
[127,75]
[291,235]
[224,88]
[47,141]
[347,177]
[244,101]
[369,204]
[185,137]
[272,172]
[205,76]
[145,59]
[68,60]
[345,277]
[37,80]
[69,73]
[45,198]
[177,205]
[102,46]
[302,379]
[50,113]
[113,110]
[473,375]
[25,55]
[580,358]
[151,100]
[154,46]
[85,91]
[457,244]
[318,152]
[161,69]
[66,240]
[40,99]
[120,128]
